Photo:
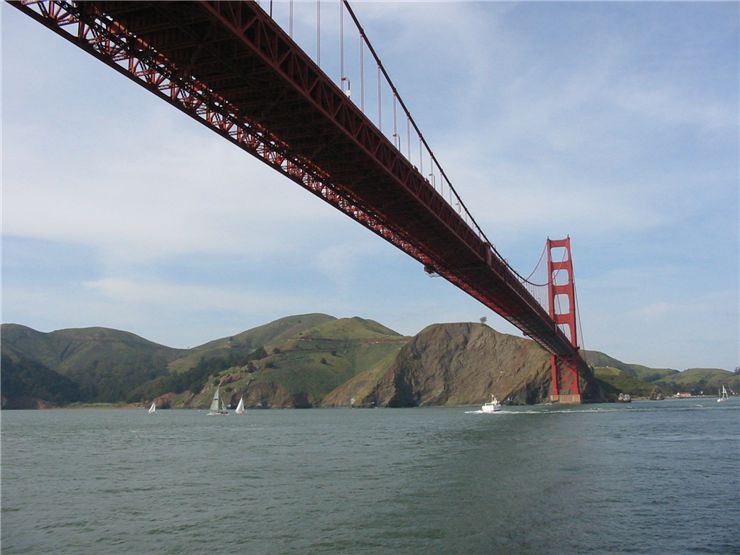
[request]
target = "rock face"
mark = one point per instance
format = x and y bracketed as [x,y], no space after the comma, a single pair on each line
[457,364]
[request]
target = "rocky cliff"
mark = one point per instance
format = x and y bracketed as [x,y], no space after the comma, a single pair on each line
[456,364]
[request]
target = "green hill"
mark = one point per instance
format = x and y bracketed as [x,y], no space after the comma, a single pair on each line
[640,381]
[698,380]
[652,375]
[601,360]
[618,381]
[106,364]
[247,341]
[299,370]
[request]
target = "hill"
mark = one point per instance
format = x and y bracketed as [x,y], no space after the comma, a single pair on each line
[456,364]
[615,381]
[640,381]
[298,369]
[698,381]
[644,373]
[27,384]
[104,363]
[245,342]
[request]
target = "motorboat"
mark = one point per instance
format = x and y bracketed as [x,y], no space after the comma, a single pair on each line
[492,406]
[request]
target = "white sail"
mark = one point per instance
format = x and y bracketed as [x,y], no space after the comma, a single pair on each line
[217,405]
[153,408]
[723,395]
[240,406]
[215,402]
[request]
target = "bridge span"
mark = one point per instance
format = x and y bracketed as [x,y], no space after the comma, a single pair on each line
[232,67]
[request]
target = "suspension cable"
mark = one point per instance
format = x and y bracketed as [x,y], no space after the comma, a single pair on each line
[410,121]
[578,316]
[542,255]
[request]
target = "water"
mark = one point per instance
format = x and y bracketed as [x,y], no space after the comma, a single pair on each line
[650,477]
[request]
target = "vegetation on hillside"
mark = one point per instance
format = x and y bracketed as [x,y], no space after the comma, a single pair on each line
[299,369]
[195,378]
[106,364]
[247,341]
[615,381]
[26,381]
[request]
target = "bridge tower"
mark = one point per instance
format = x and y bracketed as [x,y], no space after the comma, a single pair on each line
[565,387]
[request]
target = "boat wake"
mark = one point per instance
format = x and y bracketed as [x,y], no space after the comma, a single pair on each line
[562,411]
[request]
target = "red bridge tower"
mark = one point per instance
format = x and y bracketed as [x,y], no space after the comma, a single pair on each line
[566,387]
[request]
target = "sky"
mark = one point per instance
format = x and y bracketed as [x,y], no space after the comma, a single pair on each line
[613,123]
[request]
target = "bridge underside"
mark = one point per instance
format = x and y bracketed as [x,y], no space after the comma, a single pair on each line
[233,69]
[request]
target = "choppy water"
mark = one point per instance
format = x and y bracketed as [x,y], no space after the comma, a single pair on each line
[650,477]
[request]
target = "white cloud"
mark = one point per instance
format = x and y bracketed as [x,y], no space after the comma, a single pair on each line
[658,309]
[175,190]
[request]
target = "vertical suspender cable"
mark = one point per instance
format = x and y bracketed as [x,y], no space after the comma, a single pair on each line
[396,140]
[290,25]
[408,138]
[318,33]
[362,74]
[341,45]
[380,112]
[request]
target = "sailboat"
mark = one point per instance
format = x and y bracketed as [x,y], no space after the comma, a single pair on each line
[723,396]
[152,409]
[240,407]
[218,407]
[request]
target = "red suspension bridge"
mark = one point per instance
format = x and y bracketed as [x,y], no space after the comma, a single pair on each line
[234,68]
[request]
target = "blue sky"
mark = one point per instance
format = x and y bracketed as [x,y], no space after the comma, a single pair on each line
[614,123]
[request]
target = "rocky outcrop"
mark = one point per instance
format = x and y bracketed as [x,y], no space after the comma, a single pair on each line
[459,364]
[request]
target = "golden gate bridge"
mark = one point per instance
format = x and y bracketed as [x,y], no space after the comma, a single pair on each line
[235,68]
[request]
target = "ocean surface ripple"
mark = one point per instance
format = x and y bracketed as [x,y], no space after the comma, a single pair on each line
[650,477]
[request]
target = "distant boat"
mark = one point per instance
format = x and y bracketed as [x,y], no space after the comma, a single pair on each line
[656,394]
[624,398]
[152,409]
[218,407]
[491,406]
[240,407]
[723,396]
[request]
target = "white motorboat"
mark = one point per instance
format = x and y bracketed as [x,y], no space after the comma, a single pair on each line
[492,406]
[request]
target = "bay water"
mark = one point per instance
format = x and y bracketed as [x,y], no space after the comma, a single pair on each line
[646,477]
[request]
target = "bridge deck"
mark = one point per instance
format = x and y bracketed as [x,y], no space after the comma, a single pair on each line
[247,63]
